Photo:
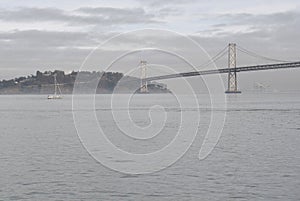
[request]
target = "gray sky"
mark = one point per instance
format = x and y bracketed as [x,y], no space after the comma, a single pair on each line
[59,34]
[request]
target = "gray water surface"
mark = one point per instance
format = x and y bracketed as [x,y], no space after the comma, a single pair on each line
[257,157]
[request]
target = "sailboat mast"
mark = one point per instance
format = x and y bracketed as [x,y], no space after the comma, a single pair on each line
[56,90]
[55,84]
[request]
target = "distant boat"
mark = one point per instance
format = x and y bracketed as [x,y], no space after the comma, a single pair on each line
[57,91]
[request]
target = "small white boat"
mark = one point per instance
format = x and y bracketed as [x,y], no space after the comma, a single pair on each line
[54,97]
[57,91]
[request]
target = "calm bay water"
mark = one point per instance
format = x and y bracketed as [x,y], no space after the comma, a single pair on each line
[257,157]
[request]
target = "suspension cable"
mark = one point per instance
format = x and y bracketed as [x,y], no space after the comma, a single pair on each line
[253,54]
[215,58]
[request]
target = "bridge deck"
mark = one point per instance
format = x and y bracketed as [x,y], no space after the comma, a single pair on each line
[227,70]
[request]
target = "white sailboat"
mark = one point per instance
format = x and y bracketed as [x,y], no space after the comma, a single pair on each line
[57,91]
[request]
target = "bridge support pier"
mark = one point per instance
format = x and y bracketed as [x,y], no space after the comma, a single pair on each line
[144,84]
[232,75]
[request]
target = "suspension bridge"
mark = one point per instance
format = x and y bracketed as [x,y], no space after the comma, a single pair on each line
[232,69]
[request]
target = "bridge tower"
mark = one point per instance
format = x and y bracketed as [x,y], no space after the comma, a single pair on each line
[232,75]
[144,84]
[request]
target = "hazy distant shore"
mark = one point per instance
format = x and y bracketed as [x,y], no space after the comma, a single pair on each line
[108,82]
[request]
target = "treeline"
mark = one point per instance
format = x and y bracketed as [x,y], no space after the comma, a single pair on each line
[43,83]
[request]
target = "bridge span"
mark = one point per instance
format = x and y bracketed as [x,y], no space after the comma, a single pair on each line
[226,70]
[231,70]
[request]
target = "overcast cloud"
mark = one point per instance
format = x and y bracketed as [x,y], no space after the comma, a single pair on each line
[82,16]
[41,37]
